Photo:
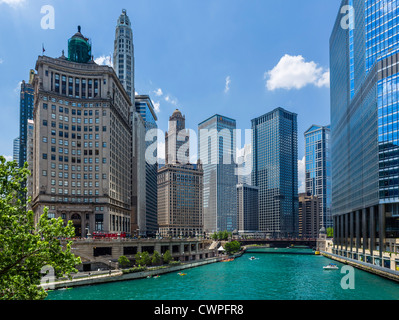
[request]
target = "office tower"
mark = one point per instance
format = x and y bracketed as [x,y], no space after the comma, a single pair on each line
[217,152]
[25,114]
[275,172]
[145,108]
[82,142]
[364,57]
[318,170]
[124,54]
[139,181]
[177,140]
[244,166]
[180,189]
[15,153]
[309,216]
[247,208]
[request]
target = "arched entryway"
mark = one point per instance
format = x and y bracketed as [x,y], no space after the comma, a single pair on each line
[77,223]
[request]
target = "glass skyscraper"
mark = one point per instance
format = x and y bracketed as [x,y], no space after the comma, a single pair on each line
[364,57]
[275,172]
[26,113]
[318,170]
[145,108]
[217,152]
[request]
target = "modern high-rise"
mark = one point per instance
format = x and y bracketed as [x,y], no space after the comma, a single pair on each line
[247,208]
[217,153]
[275,172]
[177,139]
[364,60]
[82,142]
[15,150]
[145,108]
[138,175]
[309,216]
[25,114]
[124,54]
[318,170]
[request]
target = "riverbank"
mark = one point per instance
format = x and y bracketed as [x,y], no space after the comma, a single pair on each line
[120,276]
[382,272]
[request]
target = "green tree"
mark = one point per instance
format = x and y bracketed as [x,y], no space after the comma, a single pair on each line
[143,259]
[156,258]
[232,247]
[138,258]
[123,261]
[330,232]
[26,248]
[167,257]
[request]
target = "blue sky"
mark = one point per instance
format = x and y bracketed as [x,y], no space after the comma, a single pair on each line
[237,58]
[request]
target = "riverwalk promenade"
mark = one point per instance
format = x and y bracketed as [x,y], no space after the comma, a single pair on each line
[118,275]
[380,271]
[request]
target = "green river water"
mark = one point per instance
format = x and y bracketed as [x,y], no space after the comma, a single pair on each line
[269,277]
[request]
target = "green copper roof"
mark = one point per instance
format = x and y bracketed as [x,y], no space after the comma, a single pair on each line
[79,48]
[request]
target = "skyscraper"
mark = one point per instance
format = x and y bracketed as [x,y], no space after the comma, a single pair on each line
[82,142]
[15,152]
[124,67]
[217,152]
[180,200]
[318,170]
[26,113]
[180,185]
[309,216]
[124,54]
[247,208]
[364,57]
[275,172]
[177,140]
[145,108]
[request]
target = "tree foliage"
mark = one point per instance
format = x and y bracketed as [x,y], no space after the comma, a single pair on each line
[25,247]
[123,261]
[232,247]
[167,257]
[143,258]
[221,235]
[156,258]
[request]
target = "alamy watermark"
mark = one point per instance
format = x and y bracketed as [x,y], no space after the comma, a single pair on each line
[348,281]
[348,20]
[48,278]
[48,20]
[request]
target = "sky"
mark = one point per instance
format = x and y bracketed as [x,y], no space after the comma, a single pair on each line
[236,58]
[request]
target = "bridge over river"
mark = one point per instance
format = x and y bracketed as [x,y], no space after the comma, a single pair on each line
[290,250]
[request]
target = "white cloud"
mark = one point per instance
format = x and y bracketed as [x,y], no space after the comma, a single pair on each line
[104,61]
[293,72]
[301,175]
[158,92]
[1,60]
[227,86]
[171,100]
[13,3]
[157,106]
